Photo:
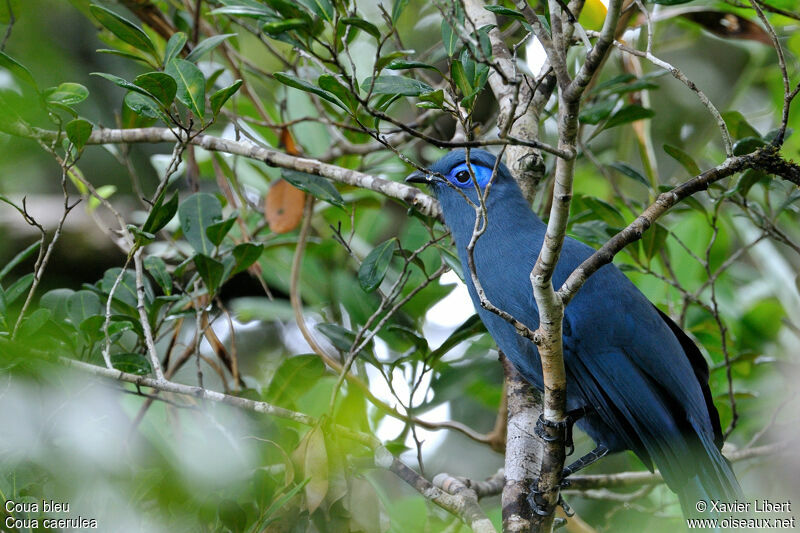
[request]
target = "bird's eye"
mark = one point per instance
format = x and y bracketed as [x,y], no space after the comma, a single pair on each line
[462,176]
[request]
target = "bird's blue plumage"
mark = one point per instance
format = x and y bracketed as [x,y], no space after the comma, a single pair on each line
[644,381]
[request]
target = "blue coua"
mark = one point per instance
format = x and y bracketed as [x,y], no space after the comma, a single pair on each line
[640,383]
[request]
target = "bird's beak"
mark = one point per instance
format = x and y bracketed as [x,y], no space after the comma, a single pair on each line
[418,177]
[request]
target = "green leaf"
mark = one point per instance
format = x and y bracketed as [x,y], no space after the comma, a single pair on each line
[506,12]
[206,45]
[216,232]
[671,2]
[103,191]
[132,363]
[433,99]
[341,338]
[210,270]
[373,268]
[18,288]
[161,213]
[67,94]
[125,84]
[390,57]
[78,132]
[162,86]
[196,213]
[469,328]
[449,38]
[145,106]
[126,55]
[303,85]
[748,145]
[629,171]
[598,111]
[397,9]
[56,300]
[254,11]
[333,86]
[738,125]
[323,8]
[125,294]
[363,25]
[616,80]
[219,98]
[460,78]
[142,237]
[158,269]
[315,185]
[174,47]
[255,308]
[749,178]
[246,254]
[683,158]
[282,26]
[604,211]
[17,69]
[191,85]
[628,114]
[33,323]
[293,378]
[403,65]
[81,305]
[11,122]
[19,258]
[396,85]
[638,85]
[124,29]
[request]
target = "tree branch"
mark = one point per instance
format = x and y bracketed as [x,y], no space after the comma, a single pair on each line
[767,159]
[400,191]
[462,502]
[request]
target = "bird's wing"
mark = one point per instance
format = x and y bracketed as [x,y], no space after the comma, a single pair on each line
[634,369]
[700,367]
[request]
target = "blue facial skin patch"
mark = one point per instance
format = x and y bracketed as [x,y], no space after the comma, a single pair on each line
[460,176]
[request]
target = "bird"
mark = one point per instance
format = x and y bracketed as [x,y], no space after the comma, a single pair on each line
[635,380]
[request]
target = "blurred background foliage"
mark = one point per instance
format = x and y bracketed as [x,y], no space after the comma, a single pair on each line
[217,268]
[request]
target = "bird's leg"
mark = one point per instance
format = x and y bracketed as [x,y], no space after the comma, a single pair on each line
[582,463]
[572,417]
[534,497]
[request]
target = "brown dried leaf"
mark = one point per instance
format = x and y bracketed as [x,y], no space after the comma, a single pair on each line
[729,26]
[311,459]
[287,141]
[283,206]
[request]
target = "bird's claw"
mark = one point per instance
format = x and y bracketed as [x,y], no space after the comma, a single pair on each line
[535,500]
[564,505]
[539,505]
[566,424]
[542,423]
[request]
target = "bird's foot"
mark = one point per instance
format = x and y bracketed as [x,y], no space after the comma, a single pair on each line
[567,425]
[598,453]
[539,505]
[535,499]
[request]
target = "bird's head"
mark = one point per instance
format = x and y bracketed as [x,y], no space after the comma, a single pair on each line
[455,182]
[454,173]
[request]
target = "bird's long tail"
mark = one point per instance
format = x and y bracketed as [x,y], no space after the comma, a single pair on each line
[714,483]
